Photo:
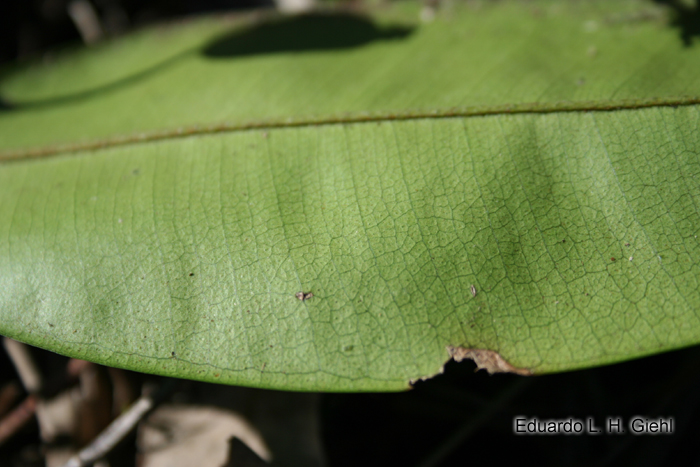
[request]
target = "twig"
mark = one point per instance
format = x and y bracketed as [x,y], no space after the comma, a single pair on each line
[295,6]
[8,395]
[16,419]
[24,363]
[86,20]
[119,428]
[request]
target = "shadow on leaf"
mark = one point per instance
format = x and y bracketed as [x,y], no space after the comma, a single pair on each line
[7,105]
[4,105]
[685,18]
[312,32]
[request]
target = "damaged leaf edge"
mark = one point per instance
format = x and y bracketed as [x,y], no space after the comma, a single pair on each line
[488,360]
[485,359]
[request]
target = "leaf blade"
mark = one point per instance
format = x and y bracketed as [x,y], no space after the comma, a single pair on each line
[183,256]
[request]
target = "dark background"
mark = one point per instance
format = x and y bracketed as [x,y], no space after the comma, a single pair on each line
[461,417]
[28,28]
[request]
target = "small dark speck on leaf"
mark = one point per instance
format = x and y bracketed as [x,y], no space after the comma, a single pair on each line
[50,324]
[348,348]
[627,244]
[191,274]
[172,354]
[304,295]
[612,259]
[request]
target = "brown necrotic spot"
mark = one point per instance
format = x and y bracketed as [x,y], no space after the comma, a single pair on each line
[485,359]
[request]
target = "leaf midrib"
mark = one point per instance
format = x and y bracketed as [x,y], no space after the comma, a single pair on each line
[610,105]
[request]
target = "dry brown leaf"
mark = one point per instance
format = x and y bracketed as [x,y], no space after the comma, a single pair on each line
[178,435]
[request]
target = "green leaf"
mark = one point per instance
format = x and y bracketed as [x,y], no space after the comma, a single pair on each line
[520,177]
